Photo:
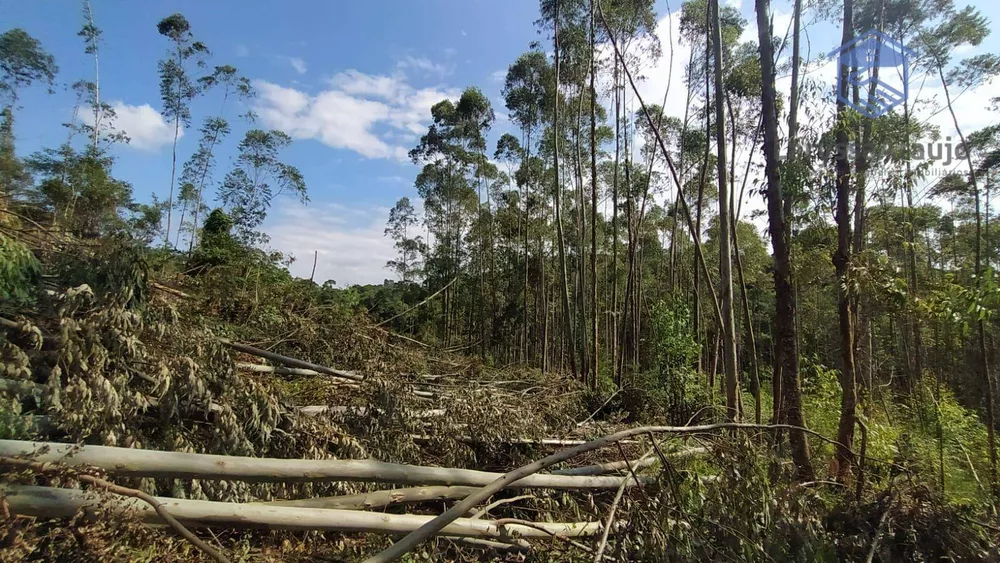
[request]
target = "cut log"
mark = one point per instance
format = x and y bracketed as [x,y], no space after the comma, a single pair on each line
[180,465]
[380,499]
[49,502]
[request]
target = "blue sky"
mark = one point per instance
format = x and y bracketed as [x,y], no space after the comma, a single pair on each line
[351,82]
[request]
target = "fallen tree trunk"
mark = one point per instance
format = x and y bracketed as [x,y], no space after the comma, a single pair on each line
[612,466]
[49,502]
[316,410]
[550,442]
[180,465]
[380,499]
[303,365]
[284,370]
[289,361]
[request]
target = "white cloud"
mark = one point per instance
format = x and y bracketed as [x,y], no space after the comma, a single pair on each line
[298,64]
[360,112]
[423,64]
[359,83]
[350,241]
[242,50]
[146,128]
[498,75]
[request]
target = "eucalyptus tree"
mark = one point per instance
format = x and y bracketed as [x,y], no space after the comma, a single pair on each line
[78,189]
[91,35]
[452,153]
[960,28]
[698,29]
[556,134]
[23,61]
[14,179]
[631,24]
[525,92]
[257,178]
[177,89]
[402,218]
[789,400]
[198,168]
[842,261]
[725,250]
[197,173]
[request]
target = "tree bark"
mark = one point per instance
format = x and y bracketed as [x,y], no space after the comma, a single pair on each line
[729,359]
[786,345]
[842,262]
[129,462]
[49,502]
[595,365]
[567,316]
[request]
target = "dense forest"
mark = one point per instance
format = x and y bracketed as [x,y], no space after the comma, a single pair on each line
[764,330]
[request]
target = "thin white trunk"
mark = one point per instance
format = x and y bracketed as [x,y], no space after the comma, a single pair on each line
[130,462]
[50,502]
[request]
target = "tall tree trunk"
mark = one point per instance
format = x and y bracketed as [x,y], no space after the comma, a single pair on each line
[699,206]
[786,340]
[567,317]
[527,258]
[98,112]
[984,357]
[842,262]
[860,206]
[911,255]
[581,239]
[750,332]
[173,159]
[614,231]
[595,365]
[725,250]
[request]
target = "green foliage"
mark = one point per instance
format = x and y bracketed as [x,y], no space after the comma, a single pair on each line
[19,272]
[177,89]
[14,179]
[145,220]
[79,191]
[23,61]
[116,270]
[217,246]
[257,179]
